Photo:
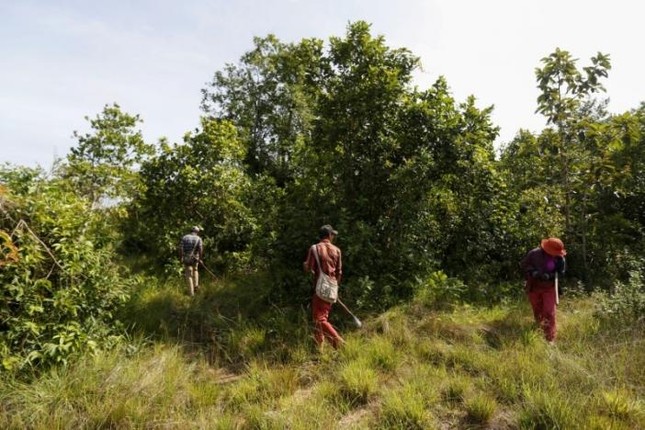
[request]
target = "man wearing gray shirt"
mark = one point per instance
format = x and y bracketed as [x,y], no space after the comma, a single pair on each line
[191,250]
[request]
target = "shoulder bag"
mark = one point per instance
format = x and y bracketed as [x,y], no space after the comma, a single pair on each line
[326,286]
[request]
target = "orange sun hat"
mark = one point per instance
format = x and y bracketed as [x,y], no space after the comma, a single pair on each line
[553,246]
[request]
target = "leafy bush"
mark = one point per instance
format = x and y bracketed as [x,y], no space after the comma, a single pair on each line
[439,290]
[60,285]
[627,303]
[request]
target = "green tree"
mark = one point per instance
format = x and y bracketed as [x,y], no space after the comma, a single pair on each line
[616,236]
[104,163]
[269,97]
[371,160]
[526,163]
[201,182]
[565,101]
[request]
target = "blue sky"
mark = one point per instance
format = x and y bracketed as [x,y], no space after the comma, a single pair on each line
[64,60]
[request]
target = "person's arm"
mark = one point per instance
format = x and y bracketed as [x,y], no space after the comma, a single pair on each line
[308,265]
[339,267]
[181,250]
[527,266]
[531,267]
[199,252]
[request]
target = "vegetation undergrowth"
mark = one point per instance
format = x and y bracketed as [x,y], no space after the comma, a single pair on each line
[223,360]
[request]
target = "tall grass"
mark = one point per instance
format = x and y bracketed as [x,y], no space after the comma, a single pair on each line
[216,361]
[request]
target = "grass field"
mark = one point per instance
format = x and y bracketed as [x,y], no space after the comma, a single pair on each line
[193,365]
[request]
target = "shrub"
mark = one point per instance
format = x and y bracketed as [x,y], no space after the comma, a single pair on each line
[440,290]
[627,303]
[62,289]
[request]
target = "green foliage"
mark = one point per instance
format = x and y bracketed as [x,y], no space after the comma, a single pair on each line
[563,87]
[440,290]
[269,98]
[102,167]
[198,183]
[582,180]
[579,156]
[341,136]
[626,303]
[301,134]
[60,285]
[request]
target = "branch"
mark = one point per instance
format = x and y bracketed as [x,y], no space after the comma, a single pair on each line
[23,223]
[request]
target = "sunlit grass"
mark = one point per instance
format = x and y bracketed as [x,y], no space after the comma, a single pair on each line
[454,390]
[408,368]
[404,408]
[549,408]
[480,408]
[358,382]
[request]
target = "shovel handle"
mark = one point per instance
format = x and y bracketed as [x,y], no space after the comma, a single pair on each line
[356,320]
[557,293]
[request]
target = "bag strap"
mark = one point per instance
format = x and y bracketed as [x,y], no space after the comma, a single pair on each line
[320,269]
[192,253]
[315,248]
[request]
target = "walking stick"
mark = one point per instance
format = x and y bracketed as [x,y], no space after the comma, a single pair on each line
[357,322]
[206,268]
[557,294]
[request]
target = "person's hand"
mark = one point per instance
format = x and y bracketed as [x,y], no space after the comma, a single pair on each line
[547,276]
[559,265]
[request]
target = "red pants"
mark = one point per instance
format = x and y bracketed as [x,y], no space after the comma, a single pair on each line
[543,303]
[323,329]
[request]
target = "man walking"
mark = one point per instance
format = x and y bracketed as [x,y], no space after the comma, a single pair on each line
[190,253]
[324,257]
[541,267]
